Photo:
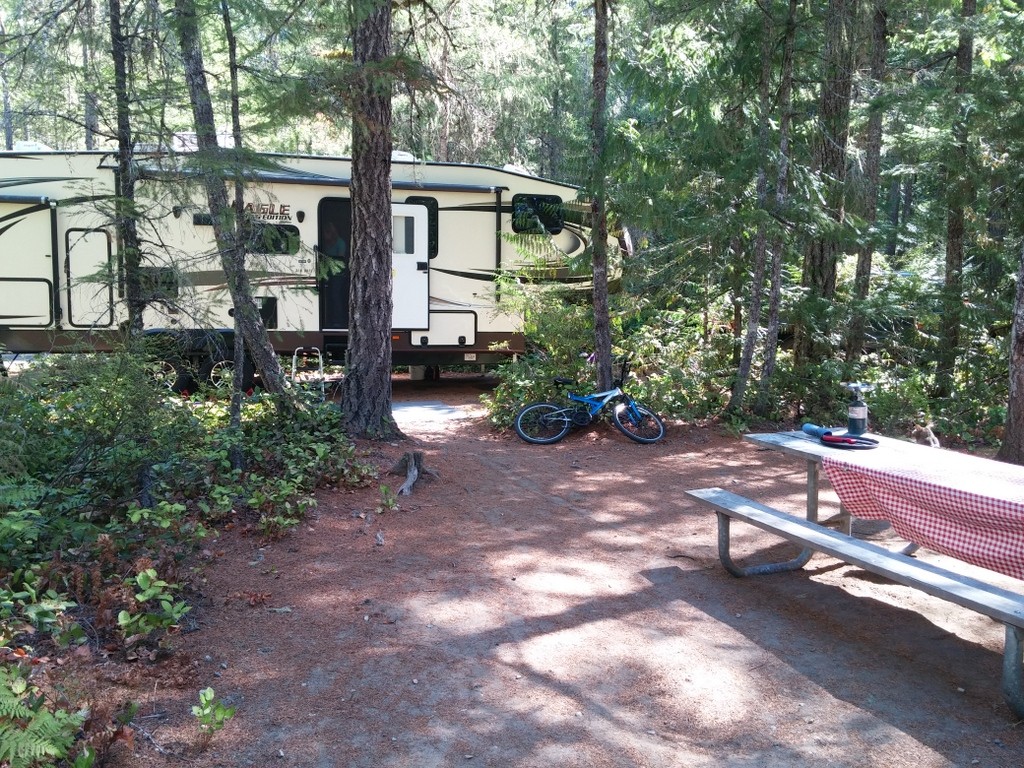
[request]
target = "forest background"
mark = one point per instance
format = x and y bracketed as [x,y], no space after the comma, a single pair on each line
[812,193]
[815,192]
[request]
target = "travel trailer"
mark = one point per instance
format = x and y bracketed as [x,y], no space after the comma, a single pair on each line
[456,229]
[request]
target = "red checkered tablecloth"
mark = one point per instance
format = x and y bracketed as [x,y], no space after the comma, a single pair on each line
[964,506]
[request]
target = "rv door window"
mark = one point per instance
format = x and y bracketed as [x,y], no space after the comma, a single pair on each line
[537,214]
[404,233]
[432,210]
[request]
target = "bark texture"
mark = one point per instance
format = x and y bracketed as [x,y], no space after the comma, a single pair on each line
[756,292]
[599,212]
[1012,449]
[366,394]
[8,117]
[771,336]
[247,316]
[960,193]
[869,187]
[124,205]
[822,254]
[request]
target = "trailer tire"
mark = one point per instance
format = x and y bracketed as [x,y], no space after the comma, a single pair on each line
[185,383]
[219,373]
[175,375]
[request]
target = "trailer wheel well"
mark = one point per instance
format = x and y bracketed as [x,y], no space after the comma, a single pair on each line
[198,357]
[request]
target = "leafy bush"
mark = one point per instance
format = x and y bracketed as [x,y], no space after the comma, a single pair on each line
[523,381]
[559,341]
[156,606]
[106,482]
[675,372]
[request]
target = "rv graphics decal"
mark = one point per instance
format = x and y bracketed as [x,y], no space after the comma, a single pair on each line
[269,211]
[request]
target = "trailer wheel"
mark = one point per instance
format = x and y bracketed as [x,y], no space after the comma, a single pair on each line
[163,373]
[221,373]
[177,377]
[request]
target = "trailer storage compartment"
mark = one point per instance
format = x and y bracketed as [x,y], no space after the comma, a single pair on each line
[27,265]
[447,329]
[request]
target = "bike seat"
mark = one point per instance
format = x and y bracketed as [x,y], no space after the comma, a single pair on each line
[562,380]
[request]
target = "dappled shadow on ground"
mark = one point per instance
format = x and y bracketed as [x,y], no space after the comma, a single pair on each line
[563,606]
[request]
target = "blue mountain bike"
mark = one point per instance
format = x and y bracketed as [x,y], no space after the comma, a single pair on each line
[546,423]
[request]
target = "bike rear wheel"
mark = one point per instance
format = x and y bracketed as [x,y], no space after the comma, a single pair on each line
[542,423]
[638,423]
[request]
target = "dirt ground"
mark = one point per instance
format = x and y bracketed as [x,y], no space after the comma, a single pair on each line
[564,606]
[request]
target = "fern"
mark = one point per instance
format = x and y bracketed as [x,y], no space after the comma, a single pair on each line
[30,733]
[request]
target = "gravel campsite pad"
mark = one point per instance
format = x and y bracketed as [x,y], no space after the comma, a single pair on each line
[563,606]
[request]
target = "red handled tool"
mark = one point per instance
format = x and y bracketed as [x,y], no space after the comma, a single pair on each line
[849,441]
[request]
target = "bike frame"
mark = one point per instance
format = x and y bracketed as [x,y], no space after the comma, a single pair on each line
[597,400]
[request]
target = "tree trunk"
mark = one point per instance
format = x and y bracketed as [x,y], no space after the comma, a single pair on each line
[124,205]
[869,187]
[225,224]
[762,406]
[554,139]
[735,275]
[822,255]
[366,398]
[447,107]
[599,214]
[756,292]
[8,117]
[235,454]
[893,213]
[904,211]
[1012,449]
[90,116]
[960,192]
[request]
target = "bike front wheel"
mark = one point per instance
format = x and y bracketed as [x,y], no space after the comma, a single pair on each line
[542,423]
[638,423]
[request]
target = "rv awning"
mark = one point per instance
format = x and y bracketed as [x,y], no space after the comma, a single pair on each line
[316,179]
[290,176]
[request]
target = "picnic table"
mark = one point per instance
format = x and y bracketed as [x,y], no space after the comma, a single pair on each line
[966,507]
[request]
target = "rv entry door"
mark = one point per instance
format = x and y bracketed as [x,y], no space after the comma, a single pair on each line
[410,267]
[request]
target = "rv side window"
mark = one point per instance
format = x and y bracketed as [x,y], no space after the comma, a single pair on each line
[158,283]
[279,239]
[432,208]
[537,214]
[403,230]
[275,239]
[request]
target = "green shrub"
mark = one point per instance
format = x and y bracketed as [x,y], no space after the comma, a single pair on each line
[211,714]
[155,604]
[101,469]
[527,380]
[33,732]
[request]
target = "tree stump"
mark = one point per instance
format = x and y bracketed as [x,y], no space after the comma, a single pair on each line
[411,465]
